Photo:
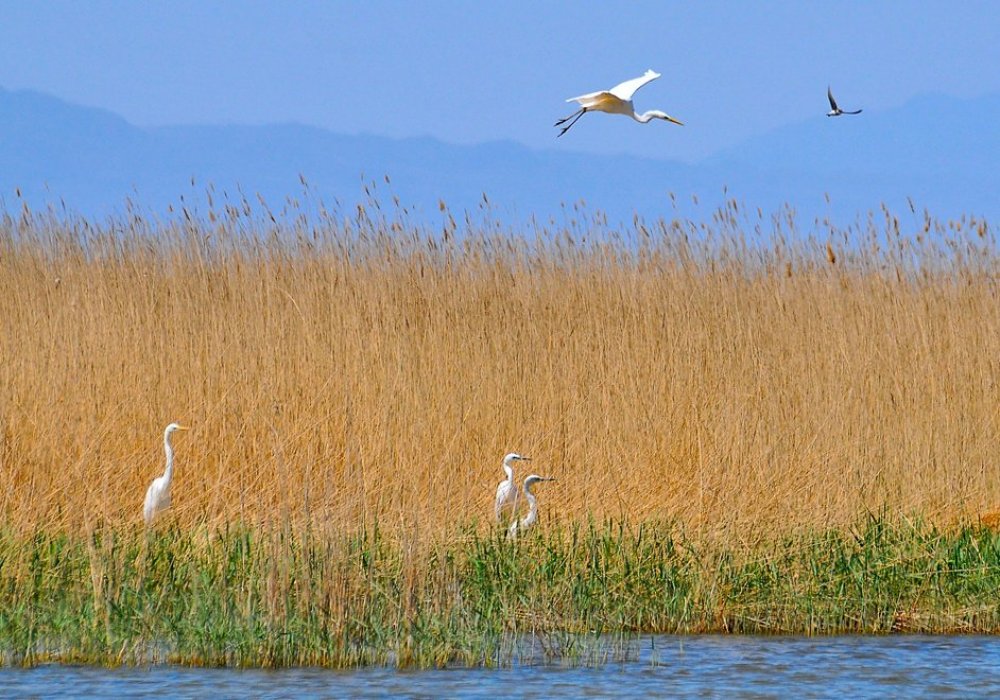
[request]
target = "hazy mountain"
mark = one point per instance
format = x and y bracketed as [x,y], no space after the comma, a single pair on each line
[938,150]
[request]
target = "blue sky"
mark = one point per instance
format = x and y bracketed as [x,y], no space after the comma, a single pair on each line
[470,72]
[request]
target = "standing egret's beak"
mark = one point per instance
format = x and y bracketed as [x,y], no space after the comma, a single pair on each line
[526,459]
[183,427]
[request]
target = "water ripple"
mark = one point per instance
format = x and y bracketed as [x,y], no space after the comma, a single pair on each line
[704,666]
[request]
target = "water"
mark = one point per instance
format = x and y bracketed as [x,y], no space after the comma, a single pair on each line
[707,666]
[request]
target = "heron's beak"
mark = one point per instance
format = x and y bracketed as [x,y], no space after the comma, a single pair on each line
[526,459]
[183,427]
[675,121]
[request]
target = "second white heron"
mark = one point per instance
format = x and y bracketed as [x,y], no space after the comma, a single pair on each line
[531,518]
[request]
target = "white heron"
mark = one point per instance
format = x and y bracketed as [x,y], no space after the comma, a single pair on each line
[617,100]
[528,520]
[158,493]
[507,489]
[836,111]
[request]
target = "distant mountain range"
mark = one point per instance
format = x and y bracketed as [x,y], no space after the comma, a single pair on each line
[939,151]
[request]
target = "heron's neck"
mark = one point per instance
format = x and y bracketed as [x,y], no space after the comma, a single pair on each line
[642,118]
[530,496]
[509,471]
[169,473]
[532,515]
[532,501]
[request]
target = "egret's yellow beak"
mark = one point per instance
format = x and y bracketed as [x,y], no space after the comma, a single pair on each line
[675,121]
[183,427]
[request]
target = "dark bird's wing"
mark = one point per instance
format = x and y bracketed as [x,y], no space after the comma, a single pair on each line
[833,102]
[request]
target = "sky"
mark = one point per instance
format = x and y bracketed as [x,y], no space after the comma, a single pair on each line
[468,72]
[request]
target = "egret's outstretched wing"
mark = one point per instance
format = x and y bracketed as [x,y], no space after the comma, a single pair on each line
[829,95]
[589,97]
[624,91]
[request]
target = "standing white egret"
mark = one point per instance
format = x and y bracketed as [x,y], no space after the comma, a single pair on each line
[617,100]
[836,111]
[507,489]
[528,520]
[158,493]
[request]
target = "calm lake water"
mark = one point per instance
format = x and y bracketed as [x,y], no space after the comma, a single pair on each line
[662,666]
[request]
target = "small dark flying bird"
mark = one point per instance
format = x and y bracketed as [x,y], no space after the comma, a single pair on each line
[836,111]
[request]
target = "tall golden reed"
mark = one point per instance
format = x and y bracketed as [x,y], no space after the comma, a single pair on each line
[361,369]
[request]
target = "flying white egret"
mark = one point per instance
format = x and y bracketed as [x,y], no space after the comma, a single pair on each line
[836,111]
[507,489]
[528,520]
[158,493]
[617,100]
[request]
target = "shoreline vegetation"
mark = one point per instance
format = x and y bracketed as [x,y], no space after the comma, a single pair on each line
[754,429]
[273,598]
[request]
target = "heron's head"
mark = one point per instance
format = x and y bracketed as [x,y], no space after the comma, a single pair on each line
[657,114]
[534,479]
[174,426]
[515,457]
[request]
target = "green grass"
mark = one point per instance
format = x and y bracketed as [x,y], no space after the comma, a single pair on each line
[279,597]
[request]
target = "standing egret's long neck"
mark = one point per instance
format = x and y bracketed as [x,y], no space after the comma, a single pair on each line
[169,473]
[509,471]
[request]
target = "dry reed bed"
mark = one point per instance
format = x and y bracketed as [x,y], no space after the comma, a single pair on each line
[362,369]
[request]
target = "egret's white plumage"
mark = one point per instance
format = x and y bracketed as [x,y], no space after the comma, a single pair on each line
[836,111]
[532,517]
[507,491]
[158,493]
[617,100]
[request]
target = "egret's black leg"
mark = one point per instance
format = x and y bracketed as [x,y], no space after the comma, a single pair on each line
[566,119]
[567,127]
